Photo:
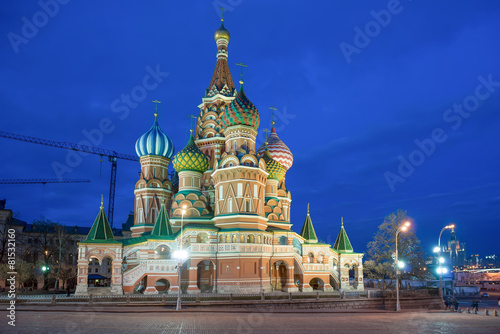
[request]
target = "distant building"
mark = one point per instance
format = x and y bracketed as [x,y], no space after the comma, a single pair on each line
[456,251]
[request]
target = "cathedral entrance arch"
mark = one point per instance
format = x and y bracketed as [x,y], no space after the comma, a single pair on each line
[162,285]
[99,272]
[317,284]
[206,276]
[279,275]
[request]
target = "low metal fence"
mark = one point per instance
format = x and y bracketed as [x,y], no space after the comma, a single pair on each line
[164,298]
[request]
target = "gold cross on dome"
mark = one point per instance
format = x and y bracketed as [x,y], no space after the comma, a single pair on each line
[273,108]
[222,10]
[156,102]
[266,131]
[241,65]
[191,122]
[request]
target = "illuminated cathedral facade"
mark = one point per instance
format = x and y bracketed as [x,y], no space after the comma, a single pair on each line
[226,205]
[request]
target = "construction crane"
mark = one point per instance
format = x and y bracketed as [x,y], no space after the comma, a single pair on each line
[112,157]
[42,181]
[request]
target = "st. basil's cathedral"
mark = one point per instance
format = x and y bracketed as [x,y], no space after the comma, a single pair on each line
[226,205]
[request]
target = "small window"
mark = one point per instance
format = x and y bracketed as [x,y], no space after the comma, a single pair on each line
[227,269]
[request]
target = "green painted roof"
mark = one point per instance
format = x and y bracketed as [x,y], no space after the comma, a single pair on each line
[342,244]
[162,226]
[100,231]
[308,232]
[190,158]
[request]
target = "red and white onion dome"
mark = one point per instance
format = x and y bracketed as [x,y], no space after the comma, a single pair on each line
[278,150]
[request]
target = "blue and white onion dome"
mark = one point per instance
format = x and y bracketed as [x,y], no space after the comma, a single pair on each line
[155,142]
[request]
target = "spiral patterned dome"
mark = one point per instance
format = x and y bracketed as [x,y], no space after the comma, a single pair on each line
[190,158]
[274,168]
[155,142]
[241,112]
[278,150]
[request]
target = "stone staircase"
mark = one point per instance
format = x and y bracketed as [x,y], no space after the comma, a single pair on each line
[102,291]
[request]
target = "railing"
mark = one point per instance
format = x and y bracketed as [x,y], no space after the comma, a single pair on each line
[213,297]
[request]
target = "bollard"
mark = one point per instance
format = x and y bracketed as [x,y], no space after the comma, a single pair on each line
[197,297]
[231,297]
[468,310]
[496,313]
[262,296]
[290,295]
[91,299]
[128,299]
[164,298]
[487,312]
[53,300]
[317,295]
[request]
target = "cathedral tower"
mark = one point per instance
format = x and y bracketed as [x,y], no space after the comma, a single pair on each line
[155,149]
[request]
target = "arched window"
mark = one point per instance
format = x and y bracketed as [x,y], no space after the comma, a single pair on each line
[248,205]
[251,239]
[230,205]
[242,238]
[320,258]
[311,258]
[162,252]
[234,238]
[202,238]
[282,240]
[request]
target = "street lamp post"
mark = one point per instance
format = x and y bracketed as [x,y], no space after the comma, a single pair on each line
[404,227]
[181,256]
[440,269]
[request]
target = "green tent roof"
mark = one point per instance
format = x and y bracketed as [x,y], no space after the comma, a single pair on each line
[162,226]
[342,244]
[308,232]
[100,231]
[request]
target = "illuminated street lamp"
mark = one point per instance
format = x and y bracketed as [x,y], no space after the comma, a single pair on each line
[399,264]
[180,255]
[441,270]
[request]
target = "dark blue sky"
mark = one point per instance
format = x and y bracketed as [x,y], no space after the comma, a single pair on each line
[352,105]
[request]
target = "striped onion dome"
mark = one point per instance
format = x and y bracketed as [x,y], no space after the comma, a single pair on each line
[241,112]
[278,150]
[190,158]
[274,168]
[155,142]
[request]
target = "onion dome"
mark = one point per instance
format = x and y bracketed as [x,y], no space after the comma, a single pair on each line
[241,112]
[274,168]
[155,142]
[278,150]
[222,32]
[190,158]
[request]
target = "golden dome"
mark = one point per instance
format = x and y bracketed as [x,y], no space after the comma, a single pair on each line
[222,33]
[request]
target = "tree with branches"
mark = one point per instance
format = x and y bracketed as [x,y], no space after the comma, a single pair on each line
[381,251]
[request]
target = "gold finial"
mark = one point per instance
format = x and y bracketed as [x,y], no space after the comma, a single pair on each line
[102,201]
[191,123]
[241,65]
[156,107]
[222,10]
[273,110]
[266,131]
[342,221]
[308,209]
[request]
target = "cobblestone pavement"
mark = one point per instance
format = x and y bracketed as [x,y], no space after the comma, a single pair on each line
[251,321]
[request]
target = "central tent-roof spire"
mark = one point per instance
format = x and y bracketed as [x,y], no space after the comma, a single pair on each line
[222,82]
